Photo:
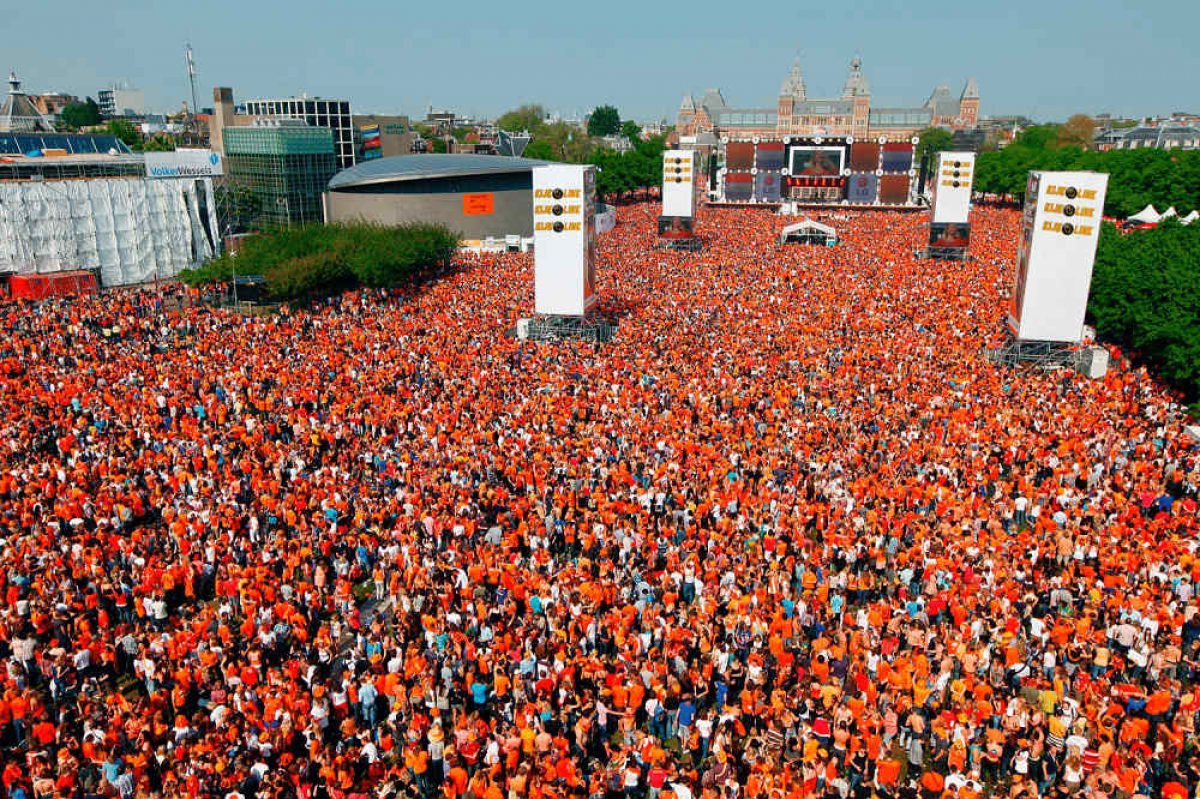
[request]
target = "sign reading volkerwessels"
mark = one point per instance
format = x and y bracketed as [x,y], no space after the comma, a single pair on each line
[184,164]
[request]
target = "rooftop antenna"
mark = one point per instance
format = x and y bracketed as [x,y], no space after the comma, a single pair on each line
[191,70]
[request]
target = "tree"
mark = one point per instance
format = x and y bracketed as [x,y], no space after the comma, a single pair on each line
[631,130]
[159,143]
[526,117]
[124,130]
[933,140]
[541,150]
[80,115]
[439,145]
[1078,131]
[604,121]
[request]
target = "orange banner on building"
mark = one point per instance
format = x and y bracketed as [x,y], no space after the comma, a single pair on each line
[479,204]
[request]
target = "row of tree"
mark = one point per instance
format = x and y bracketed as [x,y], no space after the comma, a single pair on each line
[310,261]
[1146,296]
[1137,178]
[619,173]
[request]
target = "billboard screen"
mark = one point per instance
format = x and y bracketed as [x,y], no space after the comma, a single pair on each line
[676,227]
[678,192]
[739,186]
[183,163]
[769,155]
[951,189]
[815,161]
[950,235]
[481,204]
[739,155]
[863,188]
[1060,230]
[897,156]
[864,156]
[767,187]
[563,235]
[893,189]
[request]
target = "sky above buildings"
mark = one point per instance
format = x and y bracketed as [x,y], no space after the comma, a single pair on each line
[1046,60]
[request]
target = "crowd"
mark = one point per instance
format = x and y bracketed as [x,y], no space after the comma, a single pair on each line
[788,535]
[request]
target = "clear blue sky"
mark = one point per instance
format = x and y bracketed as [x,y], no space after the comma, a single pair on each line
[1045,59]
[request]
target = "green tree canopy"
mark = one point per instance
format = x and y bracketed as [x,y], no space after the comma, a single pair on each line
[631,130]
[315,260]
[124,130]
[933,140]
[1146,295]
[80,115]
[604,121]
[526,117]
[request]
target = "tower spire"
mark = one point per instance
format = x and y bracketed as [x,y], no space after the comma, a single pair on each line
[793,84]
[856,81]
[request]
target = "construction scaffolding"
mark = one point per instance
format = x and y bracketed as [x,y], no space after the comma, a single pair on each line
[564,328]
[1043,354]
[945,254]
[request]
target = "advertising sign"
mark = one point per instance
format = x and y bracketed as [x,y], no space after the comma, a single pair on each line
[482,204]
[951,187]
[1060,230]
[564,239]
[184,164]
[679,188]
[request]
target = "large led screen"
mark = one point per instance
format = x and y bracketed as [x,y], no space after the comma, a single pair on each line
[767,187]
[893,189]
[769,155]
[816,161]
[949,235]
[676,227]
[863,189]
[897,157]
[864,156]
[739,155]
[739,187]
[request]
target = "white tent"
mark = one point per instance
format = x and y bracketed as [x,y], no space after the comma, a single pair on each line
[1147,216]
[1170,212]
[1190,218]
[807,230]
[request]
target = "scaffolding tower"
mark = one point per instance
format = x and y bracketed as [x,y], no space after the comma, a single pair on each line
[546,327]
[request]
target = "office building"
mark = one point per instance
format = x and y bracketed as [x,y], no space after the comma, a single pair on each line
[121,101]
[285,163]
[383,136]
[317,112]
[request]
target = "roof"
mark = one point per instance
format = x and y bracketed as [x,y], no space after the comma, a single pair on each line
[18,114]
[73,143]
[425,167]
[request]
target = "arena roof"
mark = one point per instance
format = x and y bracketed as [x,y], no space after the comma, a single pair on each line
[433,165]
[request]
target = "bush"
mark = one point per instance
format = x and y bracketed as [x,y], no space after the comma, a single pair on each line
[308,260]
[1146,295]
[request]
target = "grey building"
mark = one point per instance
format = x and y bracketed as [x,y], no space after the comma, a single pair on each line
[475,195]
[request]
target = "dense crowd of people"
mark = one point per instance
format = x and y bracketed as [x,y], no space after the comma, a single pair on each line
[788,535]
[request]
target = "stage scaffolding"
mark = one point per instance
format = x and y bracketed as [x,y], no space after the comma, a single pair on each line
[565,328]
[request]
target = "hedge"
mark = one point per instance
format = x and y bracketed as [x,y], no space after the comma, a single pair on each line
[316,260]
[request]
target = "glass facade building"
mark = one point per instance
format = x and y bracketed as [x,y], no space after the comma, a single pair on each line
[286,167]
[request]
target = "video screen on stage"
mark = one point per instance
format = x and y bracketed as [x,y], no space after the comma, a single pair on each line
[949,235]
[767,187]
[676,227]
[769,155]
[893,189]
[816,161]
[863,189]
[864,156]
[897,156]
[739,187]
[739,155]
